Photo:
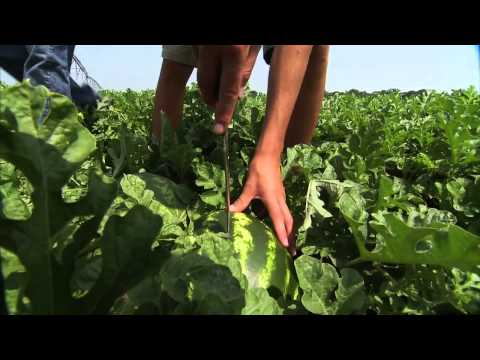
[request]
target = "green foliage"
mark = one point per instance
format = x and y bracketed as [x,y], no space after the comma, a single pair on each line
[95,219]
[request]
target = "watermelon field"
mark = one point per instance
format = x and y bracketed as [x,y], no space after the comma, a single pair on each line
[96,219]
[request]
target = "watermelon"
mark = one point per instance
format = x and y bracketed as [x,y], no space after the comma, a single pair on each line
[264,262]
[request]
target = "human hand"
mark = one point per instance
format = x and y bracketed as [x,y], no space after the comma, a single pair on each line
[264,182]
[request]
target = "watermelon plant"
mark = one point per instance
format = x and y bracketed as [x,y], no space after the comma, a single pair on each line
[96,219]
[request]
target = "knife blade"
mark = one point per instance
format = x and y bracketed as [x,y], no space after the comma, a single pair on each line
[227,182]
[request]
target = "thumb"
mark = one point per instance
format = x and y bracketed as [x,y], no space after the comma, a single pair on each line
[243,200]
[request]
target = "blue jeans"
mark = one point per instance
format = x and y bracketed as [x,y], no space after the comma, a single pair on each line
[47,65]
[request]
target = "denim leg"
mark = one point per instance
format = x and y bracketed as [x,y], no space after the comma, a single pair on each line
[49,65]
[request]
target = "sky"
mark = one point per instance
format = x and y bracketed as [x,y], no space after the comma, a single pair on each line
[362,67]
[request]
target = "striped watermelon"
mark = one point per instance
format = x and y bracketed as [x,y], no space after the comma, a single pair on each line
[264,262]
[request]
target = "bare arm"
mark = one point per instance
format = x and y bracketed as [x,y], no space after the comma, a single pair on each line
[264,181]
[287,71]
[309,103]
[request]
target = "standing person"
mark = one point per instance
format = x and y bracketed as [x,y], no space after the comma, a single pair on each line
[47,65]
[296,88]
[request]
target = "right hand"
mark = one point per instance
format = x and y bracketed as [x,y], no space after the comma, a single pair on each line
[222,73]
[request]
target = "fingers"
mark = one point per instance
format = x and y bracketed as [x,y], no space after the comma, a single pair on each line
[278,211]
[244,199]
[288,219]
[278,219]
[208,76]
[222,70]
[230,86]
[289,228]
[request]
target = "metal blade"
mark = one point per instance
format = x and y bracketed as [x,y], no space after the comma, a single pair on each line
[227,182]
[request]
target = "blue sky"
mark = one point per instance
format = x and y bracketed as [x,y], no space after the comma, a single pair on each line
[363,67]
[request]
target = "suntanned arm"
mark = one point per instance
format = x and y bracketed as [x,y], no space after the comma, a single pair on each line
[287,71]
[309,103]
[264,181]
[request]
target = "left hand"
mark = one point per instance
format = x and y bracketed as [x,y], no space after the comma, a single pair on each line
[264,182]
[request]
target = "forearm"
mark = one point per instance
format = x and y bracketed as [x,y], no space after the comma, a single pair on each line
[309,103]
[287,71]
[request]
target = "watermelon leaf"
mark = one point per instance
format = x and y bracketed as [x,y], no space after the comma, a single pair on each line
[259,302]
[327,293]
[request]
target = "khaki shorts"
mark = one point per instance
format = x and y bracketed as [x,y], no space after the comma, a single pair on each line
[186,54]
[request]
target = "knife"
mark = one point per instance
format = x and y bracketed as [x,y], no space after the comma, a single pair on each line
[227,182]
